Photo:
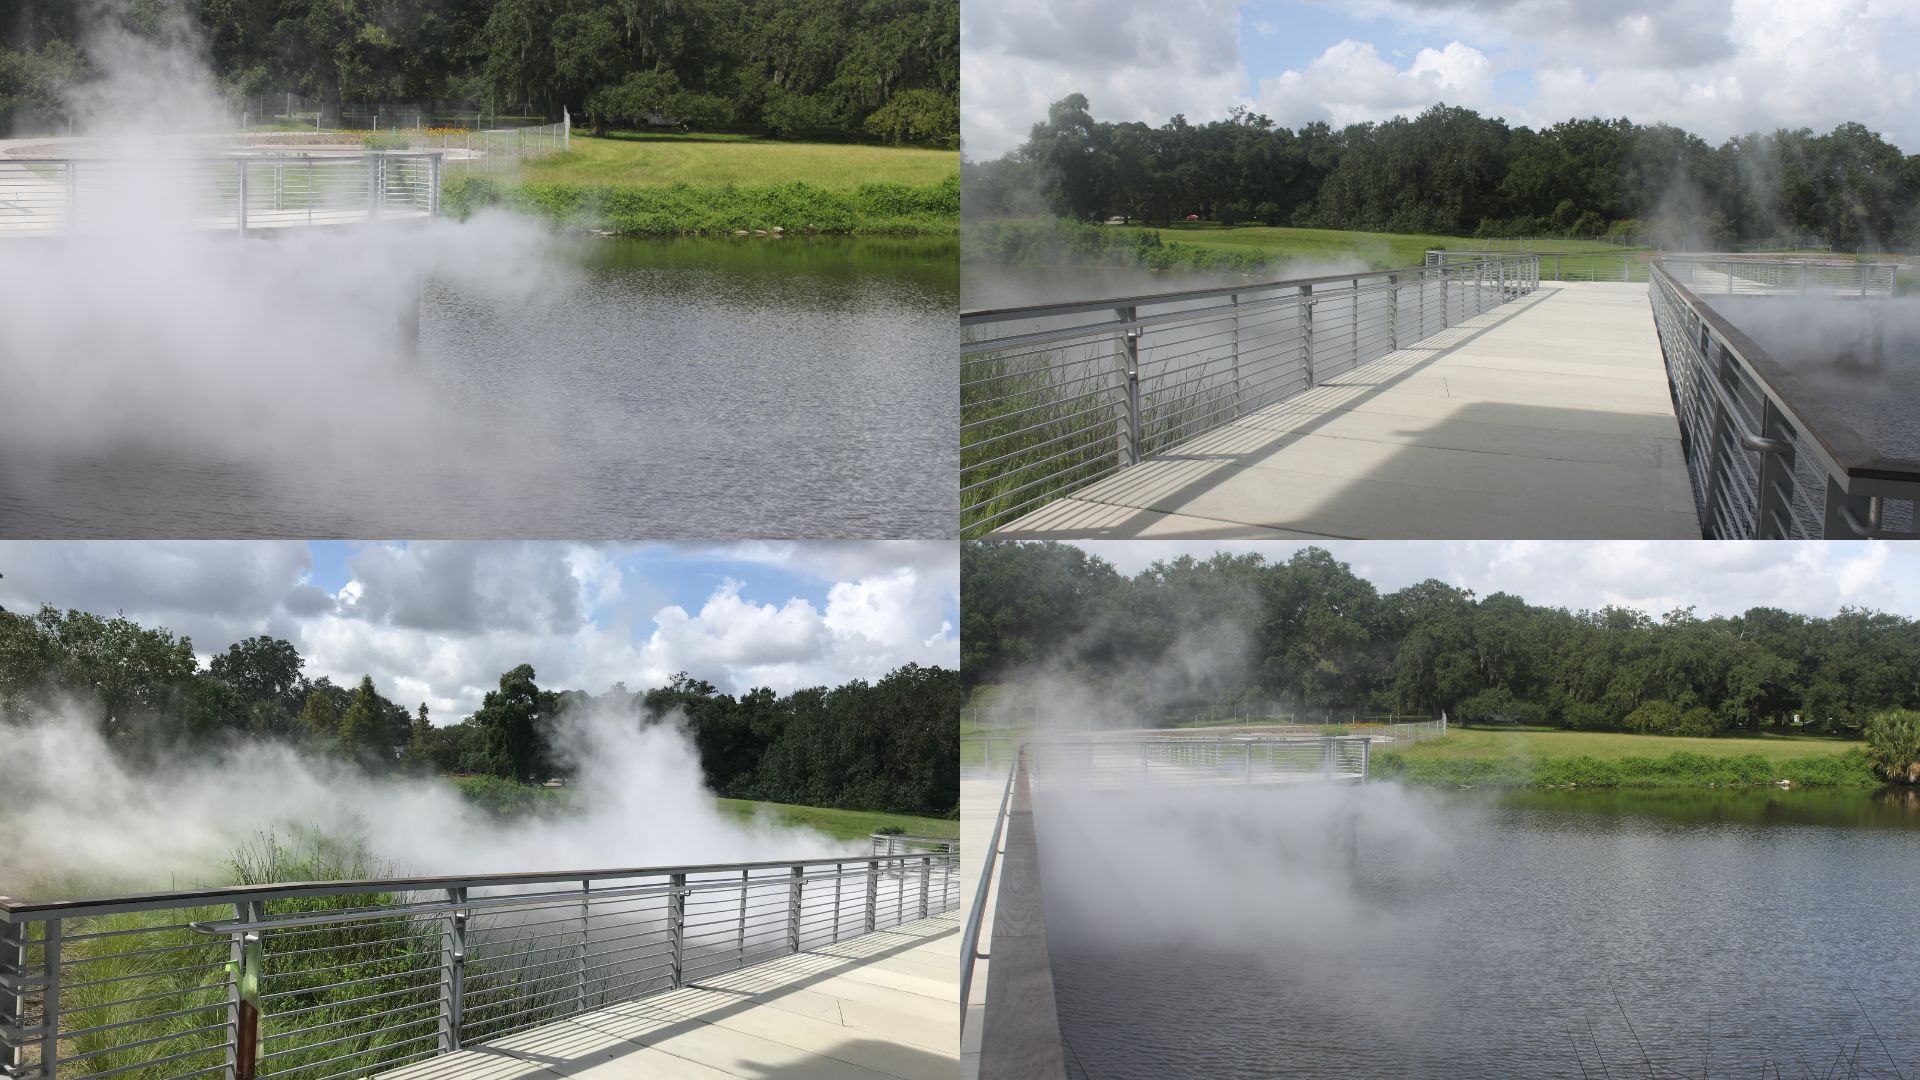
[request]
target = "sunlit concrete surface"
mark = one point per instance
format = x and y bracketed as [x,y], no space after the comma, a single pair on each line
[979,804]
[881,1006]
[1546,417]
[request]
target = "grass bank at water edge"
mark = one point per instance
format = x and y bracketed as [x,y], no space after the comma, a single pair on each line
[1546,759]
[795,208]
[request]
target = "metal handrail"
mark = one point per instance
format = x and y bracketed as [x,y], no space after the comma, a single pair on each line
[358,976]
[242,191]
[1053,400]
[976,912]
[1764,462]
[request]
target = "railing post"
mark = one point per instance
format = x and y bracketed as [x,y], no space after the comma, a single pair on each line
[1326,758]
[73,196]
[1773,502]
[242,214]
[1556,267]
[1626,267]
[1393,318]
[453,965]
[243,994]
[433,195]
[1130,339]
[580,961]
[839,874]
[1306,334]
[13,996]
[52,934]
[1446,317]
[1366,758]
[1249,763]
[1353,321]
[677,927]
[1236,355]
[794,886]
[926,881]
[375,176]
[873,894]
[1423,307]
[740,928]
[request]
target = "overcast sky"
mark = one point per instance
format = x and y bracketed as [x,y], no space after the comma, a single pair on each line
[1714,577]
[439,622]
[1714,67]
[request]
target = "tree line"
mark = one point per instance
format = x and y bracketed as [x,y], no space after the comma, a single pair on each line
[1454,172]
[890,745]
[814,68]
[1311,633]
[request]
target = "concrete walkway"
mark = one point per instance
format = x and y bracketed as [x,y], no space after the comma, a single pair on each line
[879,1007]
[1546,417]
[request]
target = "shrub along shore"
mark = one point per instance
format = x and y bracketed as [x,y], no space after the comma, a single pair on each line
[795,208]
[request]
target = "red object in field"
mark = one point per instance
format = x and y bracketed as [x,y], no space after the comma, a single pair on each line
[1193,217]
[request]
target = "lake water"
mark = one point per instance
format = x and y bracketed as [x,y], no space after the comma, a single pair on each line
[802,387]
[1855,360]
[1382,933]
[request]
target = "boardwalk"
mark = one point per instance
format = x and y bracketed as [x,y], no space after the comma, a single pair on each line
[876,1007]
[1546,417]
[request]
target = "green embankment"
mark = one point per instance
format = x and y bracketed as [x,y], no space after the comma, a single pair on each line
[507,799]
[718,186]
[1547,758]
[646,160]
[1251,248]
[841,824]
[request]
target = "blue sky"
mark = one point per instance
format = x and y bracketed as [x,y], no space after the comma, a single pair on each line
[1715,67]
[439,621]
[680,574]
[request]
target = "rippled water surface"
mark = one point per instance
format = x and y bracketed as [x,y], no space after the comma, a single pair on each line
[1561,935]
[800,387]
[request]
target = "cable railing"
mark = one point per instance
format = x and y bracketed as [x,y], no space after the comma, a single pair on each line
[240,192]
[1769,456]
[327,980]
[1057,396]
[1560,265]
[977,911]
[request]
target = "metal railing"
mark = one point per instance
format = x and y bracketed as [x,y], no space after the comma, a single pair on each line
[1762,465]
[977,910]
[902,844]
[1156,760]
[1057,396]
[238,192]
[1560,265]
[336,979]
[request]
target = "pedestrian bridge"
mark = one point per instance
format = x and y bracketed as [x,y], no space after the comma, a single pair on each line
[835,967]
[243,191]
[1455,400]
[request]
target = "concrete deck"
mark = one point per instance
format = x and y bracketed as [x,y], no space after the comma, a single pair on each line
[878,1007]
[1548,417]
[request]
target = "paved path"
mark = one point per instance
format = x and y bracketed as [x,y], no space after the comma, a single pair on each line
[879,1007]
[1546,417]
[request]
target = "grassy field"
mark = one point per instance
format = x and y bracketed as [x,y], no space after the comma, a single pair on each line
[1542,758]
[1381,250]
[841,824]
[636,160]
[1613,745]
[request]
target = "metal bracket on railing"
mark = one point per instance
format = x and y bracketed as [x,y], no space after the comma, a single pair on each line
[1762,444]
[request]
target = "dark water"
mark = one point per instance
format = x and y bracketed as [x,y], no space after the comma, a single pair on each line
[1856,360]
[1565,935]
[791,388]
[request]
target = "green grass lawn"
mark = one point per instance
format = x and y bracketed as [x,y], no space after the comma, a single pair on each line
[1382,251]
[841,824]
[647,160]
[1612,745]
